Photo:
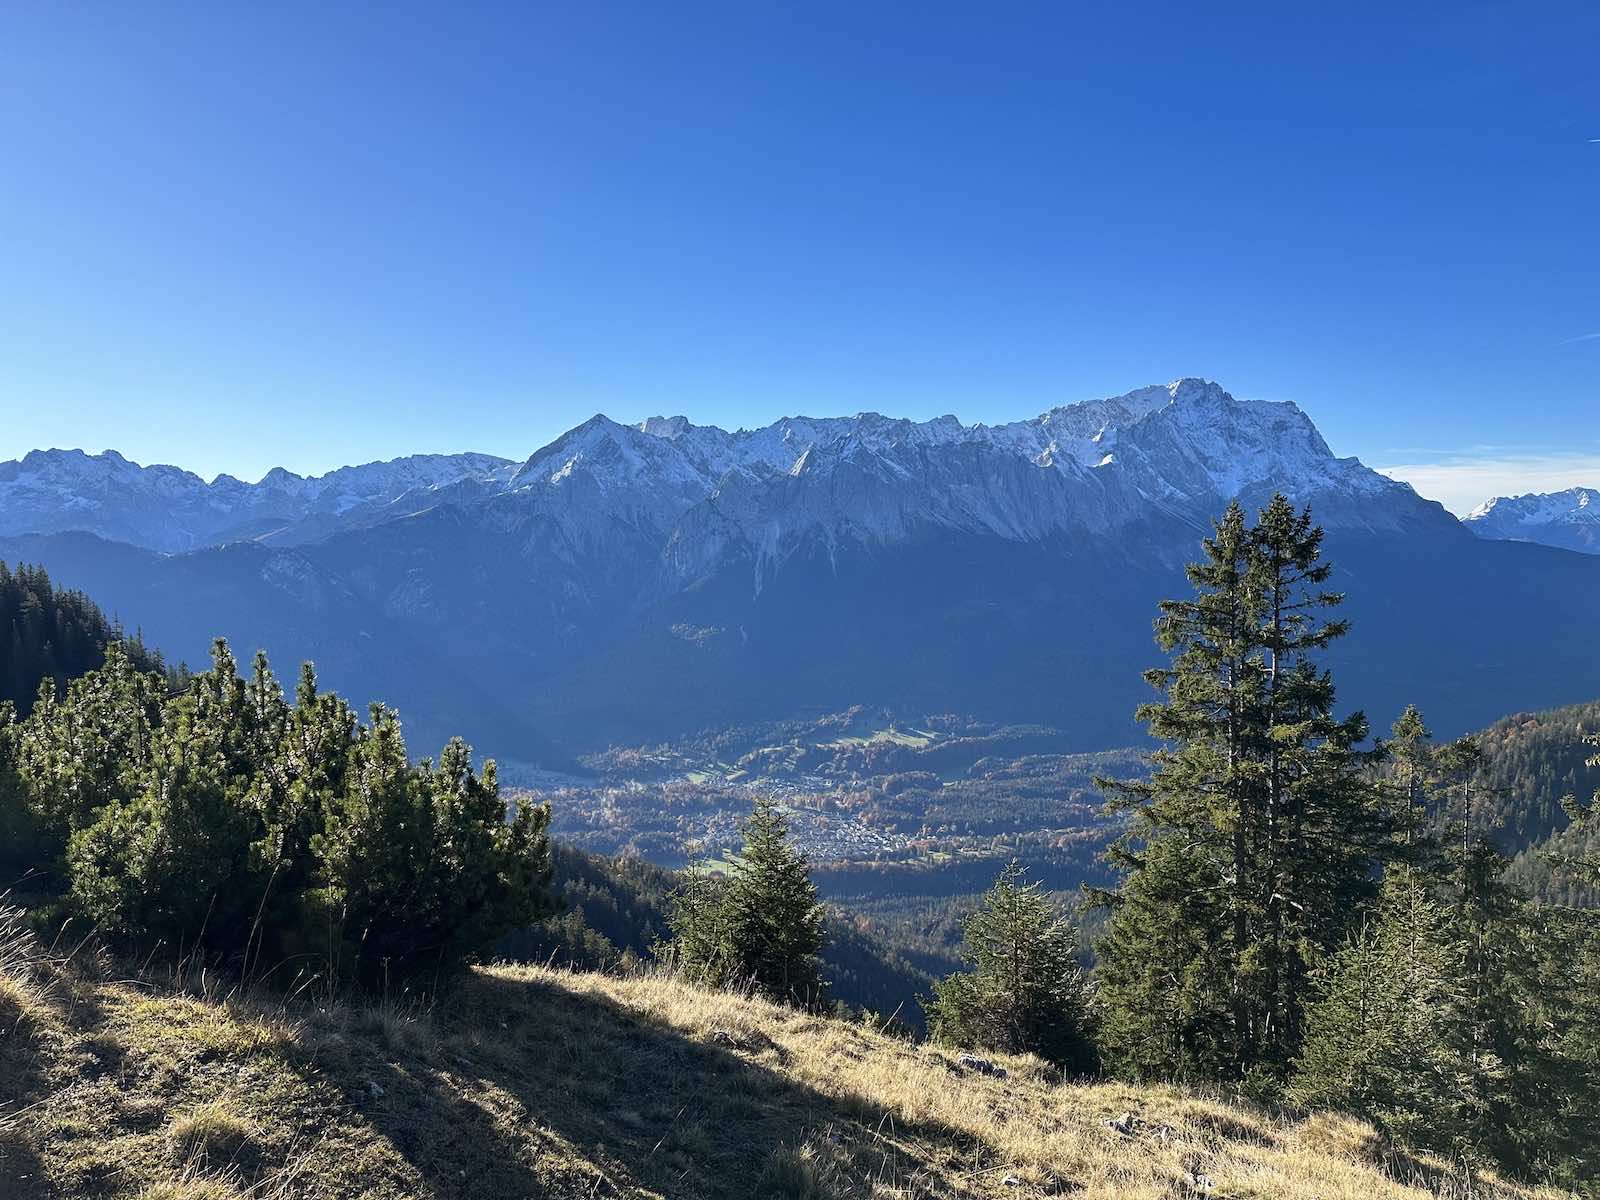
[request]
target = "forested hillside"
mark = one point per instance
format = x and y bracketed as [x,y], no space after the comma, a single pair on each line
[1532,760]
[1535,765]
[47,633]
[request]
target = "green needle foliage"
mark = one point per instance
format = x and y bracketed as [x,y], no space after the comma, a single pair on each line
[1252,844]
[762,925]
[279,837]
[1386,1037]
[1302,914]
[1025,992]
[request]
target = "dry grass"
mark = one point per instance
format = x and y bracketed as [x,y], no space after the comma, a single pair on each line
[532,1082]
[211,1134]
[934,1130]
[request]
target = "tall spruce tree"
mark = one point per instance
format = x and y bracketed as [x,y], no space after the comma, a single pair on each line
[1026,992]
[762,925]
[1252,844]
[1461,1017]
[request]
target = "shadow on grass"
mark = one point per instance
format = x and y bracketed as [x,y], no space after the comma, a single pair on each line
[22,1174]
[538,1087]
[24,1082]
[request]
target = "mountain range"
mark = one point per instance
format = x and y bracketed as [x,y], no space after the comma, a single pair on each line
[635,582]
[1570,519]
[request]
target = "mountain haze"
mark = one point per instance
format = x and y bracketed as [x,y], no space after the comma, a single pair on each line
[629,582]
[170,509]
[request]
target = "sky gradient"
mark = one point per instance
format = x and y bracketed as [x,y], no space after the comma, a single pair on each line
[237,237]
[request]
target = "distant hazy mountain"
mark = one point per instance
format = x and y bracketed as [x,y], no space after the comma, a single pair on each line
[165,508]
[1570,519]
[629,582]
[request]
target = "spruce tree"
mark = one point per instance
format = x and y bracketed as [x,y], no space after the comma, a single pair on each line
[1025,992]
[1252,844]
[1385,1037]
[763,925]
[1412,755]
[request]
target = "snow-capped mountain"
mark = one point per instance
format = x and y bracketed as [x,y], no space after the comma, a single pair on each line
[1569,519]
[632,581]
[1086,467]
[167,508]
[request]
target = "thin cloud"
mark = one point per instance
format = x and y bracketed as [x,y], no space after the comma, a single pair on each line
[1582,337]
[1462,483]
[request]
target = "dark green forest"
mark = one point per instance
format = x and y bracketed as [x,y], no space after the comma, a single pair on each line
[1531,761]
[46,633]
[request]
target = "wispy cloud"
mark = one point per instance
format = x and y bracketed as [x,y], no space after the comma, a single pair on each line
[1462,482]
[1582,337]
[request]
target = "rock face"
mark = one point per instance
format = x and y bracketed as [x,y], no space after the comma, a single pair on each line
[630,582]
[1569,519]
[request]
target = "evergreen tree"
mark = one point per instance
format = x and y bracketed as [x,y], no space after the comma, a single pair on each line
[1584,865]
[762,925]
[422,869]
[226,820]
[1507,1063]
[170,858]
[1026,992]
[1253,842]
[1385,1037]
[19,848]
[1476,1043]
[89,747]
[1412,755]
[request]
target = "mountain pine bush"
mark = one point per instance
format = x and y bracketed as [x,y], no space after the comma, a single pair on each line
[279,837]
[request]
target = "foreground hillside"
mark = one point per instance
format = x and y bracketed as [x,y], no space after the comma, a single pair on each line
[538,1083]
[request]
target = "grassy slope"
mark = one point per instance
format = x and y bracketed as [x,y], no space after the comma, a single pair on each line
[538,1083]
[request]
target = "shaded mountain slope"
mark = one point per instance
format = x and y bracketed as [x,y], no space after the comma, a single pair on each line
[282,601]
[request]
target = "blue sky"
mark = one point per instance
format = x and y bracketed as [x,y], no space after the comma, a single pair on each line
[238,236]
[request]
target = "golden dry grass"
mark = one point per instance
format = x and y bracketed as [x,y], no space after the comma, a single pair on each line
[539,1083]
[937,1131]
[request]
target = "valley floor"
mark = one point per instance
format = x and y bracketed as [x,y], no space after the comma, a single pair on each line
[538,1083]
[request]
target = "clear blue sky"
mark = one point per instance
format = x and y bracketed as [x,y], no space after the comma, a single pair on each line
[234,236]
